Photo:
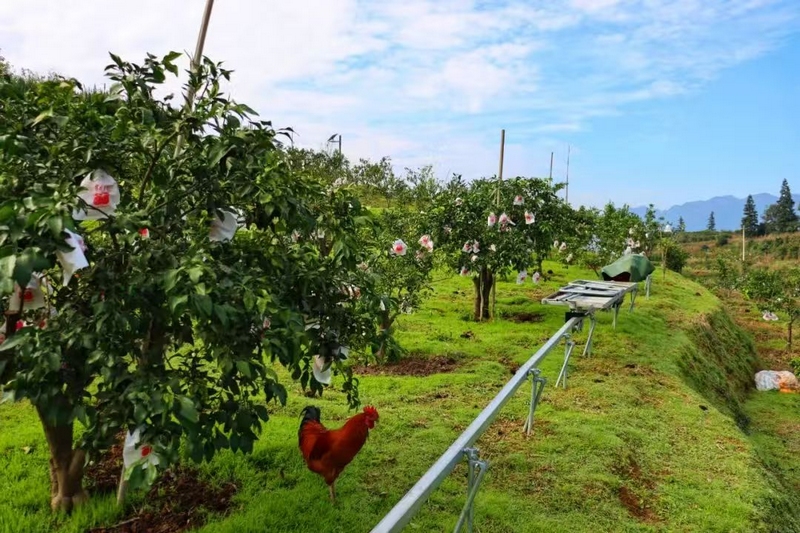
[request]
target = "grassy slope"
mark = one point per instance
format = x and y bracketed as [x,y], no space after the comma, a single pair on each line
[774,418]
[626,448]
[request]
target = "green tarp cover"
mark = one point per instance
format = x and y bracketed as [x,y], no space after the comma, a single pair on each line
[631,267]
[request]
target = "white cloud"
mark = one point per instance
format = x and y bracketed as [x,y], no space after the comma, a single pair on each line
[424,81]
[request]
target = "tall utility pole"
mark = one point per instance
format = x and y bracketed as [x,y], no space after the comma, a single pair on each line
[198,54]
[566,191]
[551,165]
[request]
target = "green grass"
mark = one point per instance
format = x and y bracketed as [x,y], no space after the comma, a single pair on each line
[772,419]
[626,447]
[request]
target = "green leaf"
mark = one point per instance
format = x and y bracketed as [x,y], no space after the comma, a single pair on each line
[220,440]
[139,413]
[28,262]
[244,368]
[56,225]
[7,266]
[261,412]
[249,301]
[218,153]
[116,59]
[12,342]
[170,57]
[6,213]
[195,273]
[276,391]
[171,279]
[203,303]
[42,116]
[187,409]
[219,310]
[147,117]
[175,301]
[80,414]
[233,122]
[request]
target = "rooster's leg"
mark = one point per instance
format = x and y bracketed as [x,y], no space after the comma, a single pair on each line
[332,491]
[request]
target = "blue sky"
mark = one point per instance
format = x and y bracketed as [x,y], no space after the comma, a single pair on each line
[662,101]
[739,134]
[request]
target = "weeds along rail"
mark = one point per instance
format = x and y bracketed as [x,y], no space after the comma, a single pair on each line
[402,513]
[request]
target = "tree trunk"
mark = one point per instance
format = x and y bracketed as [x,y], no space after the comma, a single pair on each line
[386,323]
[66,466]
[791,322]
[483,292]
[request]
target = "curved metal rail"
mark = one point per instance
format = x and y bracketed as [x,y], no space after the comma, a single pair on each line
[402,513]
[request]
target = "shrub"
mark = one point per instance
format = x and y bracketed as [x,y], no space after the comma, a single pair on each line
[675,257]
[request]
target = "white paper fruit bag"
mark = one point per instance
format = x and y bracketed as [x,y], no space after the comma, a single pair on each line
[32,297]
[101,192]
[135,452]
[75,260]
[223,229]
[322,370]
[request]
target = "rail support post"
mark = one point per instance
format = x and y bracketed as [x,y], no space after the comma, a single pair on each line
[477,469]
[587,350]
[647,283]
[537,384]
[570,344]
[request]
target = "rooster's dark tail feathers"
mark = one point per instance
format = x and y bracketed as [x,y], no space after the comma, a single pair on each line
[310,413]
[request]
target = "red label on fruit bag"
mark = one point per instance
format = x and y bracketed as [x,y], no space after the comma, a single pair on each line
[101,199]
[28,296]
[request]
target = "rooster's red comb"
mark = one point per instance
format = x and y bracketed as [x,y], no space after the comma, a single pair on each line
[369,410]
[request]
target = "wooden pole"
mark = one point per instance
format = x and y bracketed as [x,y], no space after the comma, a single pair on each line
[198,54]
[566,194]
[497,201]
[743,244]
[500,173]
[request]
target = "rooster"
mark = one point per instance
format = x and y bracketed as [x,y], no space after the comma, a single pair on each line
[328,451]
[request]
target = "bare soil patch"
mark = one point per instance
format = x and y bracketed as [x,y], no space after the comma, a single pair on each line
[512,366]
[178,501]
[520,318]
[102,476]
[636,492]
[412,366]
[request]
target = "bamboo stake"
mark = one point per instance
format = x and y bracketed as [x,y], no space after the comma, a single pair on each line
[198,54]
[566,194]
[497,200]
[743,244]
[500,174]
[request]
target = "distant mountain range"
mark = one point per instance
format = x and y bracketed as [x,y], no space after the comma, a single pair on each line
[727,211]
